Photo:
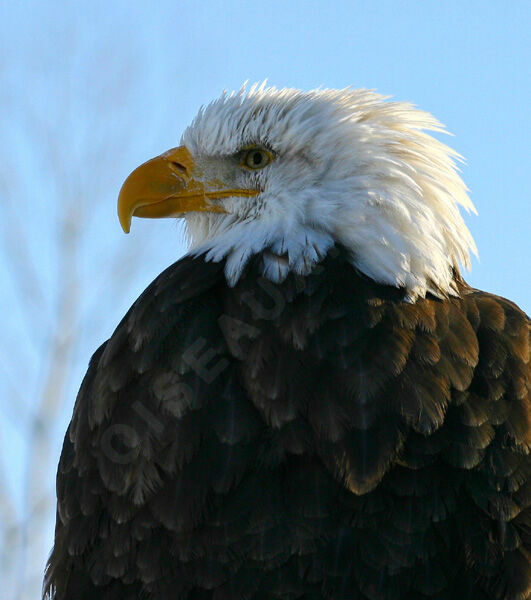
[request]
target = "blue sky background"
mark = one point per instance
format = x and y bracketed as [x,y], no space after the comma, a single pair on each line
[467,62]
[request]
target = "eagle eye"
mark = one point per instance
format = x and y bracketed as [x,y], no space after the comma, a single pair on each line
[255,158]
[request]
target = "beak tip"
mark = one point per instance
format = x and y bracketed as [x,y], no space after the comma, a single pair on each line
[125,212]
[125,222]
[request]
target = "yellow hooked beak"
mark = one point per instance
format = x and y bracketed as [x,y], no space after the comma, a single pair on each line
[164,187]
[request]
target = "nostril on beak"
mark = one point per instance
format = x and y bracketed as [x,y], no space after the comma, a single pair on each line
[179,167]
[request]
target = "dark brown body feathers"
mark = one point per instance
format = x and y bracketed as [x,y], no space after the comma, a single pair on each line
[322,438]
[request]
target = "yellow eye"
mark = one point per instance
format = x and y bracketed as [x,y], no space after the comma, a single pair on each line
[256,158]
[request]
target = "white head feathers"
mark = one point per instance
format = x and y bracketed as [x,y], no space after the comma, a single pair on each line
[350,168]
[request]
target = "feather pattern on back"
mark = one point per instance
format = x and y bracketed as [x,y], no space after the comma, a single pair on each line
[316,438]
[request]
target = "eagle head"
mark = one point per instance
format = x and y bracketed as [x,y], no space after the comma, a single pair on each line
[289,174]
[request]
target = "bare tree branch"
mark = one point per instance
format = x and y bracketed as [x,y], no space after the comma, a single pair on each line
[72,147]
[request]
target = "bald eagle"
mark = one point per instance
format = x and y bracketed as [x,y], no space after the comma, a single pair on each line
[312,403]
